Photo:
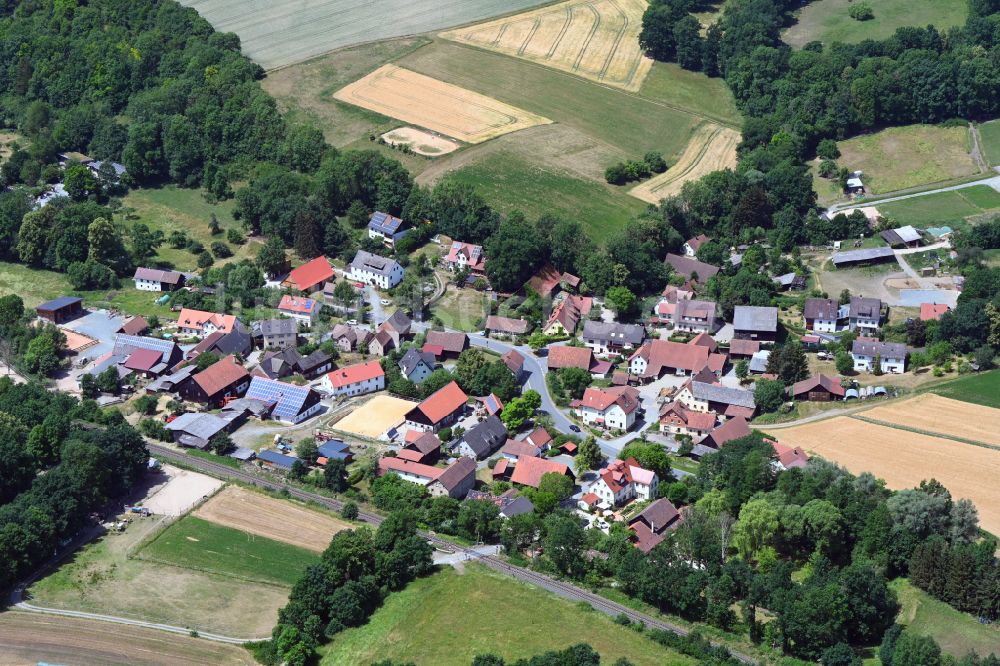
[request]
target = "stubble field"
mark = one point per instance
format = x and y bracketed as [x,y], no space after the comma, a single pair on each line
[436,105]
[595,39]
[905,458]
[944,416]
[271,518]
[711,148]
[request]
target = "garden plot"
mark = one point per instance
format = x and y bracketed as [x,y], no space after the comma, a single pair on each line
[712,148]
[436,105]
[595,39]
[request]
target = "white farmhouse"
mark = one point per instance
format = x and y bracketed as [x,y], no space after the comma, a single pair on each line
[375,270]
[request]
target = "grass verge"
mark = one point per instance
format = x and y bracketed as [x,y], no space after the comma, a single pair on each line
[957,633]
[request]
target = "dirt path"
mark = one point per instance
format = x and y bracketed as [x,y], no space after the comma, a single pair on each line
[977,152]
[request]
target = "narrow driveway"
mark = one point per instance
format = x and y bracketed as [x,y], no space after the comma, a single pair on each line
[992,181]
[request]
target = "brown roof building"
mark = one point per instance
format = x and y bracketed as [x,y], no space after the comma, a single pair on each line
[818,388]
[564,356]
[451,343]
[439,410]
[529,471]
[650,526]
[218,381]
[506,326]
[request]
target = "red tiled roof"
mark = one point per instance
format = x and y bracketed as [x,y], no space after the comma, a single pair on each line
[788,456]
[716,362]
[311,274]
[386,465]
[518,449]
[423,442]
[437,350]
[221,374]
[410,455]
[134,326]
[500,468]
[705,340]
[143,359]
[744,347]
[352,374]
[507,325]
[529,471]
[514,360]
[590,499]
[189,318]
[818,381]
[737,410]
[539,437]
[545,280]
[564,356]
[932,311]
[450,341]
[662,354]
[734,428]
[298,304]
[602,399]
[443,402]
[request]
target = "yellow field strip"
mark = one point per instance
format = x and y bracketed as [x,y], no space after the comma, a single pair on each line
[711,148]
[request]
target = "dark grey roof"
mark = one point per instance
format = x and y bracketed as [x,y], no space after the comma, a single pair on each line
[658,515]
[865,308]
[883,349]
[613,332]
[869,254]
[278,327]
[456,472]
[826,309]
[57,303]
[276,458]
[241,453]
[755,318]
[485,437]
[199,427]
[723,394]
[412,358]
[373,263]
[688,267]
[517,506]
[399,322]
[758,362]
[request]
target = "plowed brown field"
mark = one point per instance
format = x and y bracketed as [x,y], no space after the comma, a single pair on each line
[272,518]
[436,105]
[904,459]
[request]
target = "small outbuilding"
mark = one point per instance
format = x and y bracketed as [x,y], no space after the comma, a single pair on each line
[61,309]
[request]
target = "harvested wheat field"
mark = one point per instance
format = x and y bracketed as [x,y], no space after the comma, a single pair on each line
[272,518]
[711,148]
[595,39]
[420,142]
[904,459]
[376,417]
[31,638]
[933,413]
[436,105]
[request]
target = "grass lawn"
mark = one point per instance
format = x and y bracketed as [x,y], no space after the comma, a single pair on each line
[981,389]
[509,181]
[198,544]
[828,20]
[950,208]
[902,157]
[461,309]
[32,285]
[989,141]
[827,191]
[957,633]
[211,457]
[449,618]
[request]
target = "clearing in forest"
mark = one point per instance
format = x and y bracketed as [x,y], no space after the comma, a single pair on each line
[436,105]
[712,148]
[595,39]
[272,518]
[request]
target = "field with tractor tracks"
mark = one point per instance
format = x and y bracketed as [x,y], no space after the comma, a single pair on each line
[711,148]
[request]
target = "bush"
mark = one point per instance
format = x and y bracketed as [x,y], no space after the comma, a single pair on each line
[615,174]
[350,511]
[234,236]
[205,260]
[221,250]
[861,11]
[828,169]
[655,162]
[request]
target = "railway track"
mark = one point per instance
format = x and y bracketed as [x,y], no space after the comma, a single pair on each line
[561,588]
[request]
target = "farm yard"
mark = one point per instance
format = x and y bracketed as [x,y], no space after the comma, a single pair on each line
[905,458]
[436,105]
[711,148]
[943,416]
[497,615]
[828,20]
[277,34]
[595,39]
[901,157]
[30,638]
[280,520]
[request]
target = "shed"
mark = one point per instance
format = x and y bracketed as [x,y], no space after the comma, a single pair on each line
[60,309]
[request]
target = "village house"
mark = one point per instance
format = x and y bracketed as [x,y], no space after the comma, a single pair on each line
[564,356]
[818,388]
[514,360]
[390,334]
[890,355]
[417,365]
[350,338]
[539,438]
[567,315]
[289,403]
[510,502]
[422,447]
[440,410]
[466,255]
[303,310]
[864,315]
[789,456]
[310,276]
[375,270]
[656,358]
[482,439]
[692,244]
[751,322]
[237,341]
[387,228]
[200,323]
[529,471]
[612,337]
[623,481]
[221,380]
[734,428]
[288,361]
[650,526]
[445,344]
[356,379]
[134,326]
[151,357]
[724,400]
[677,419]
[614,408]
[689,315]
[153,279]
[454,481]
[691,269]
[505,327]
[821,314]
[278,333]
[514,450]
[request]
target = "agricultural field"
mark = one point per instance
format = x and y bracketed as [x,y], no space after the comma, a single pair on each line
[957,633]
[982,389]
[950,208]
[828,21]
[901,157]
[277,34]
[31,638]
[497,615]
[197,544]
[102,577]
[943,416]
[436,105]
[595,39]
[989,141]
[905,458]
[711,148]
[280,520]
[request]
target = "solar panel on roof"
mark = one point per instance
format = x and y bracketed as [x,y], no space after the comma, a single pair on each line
[127,344]
[288,398]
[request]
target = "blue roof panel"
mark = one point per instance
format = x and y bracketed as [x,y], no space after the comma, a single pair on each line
[384,223]
[288,398]
[276,458]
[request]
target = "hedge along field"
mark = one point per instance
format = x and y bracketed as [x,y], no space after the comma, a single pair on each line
[277,34]
[595,39]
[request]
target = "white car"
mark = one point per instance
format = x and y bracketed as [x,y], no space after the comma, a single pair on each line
[352,322]
[385,301]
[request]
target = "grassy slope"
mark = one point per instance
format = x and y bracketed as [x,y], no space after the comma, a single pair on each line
[949,208]
[957,633]
[981,389]
[198,544]
[989,135]
[449,618]
[828,20]
[509,181]
[901,157]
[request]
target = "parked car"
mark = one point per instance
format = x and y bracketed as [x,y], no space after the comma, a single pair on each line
[385,301]
[574,428]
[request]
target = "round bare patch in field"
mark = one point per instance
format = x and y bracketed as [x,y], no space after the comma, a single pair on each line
[711,148]
[420,142]
[271,518]
[438,106]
